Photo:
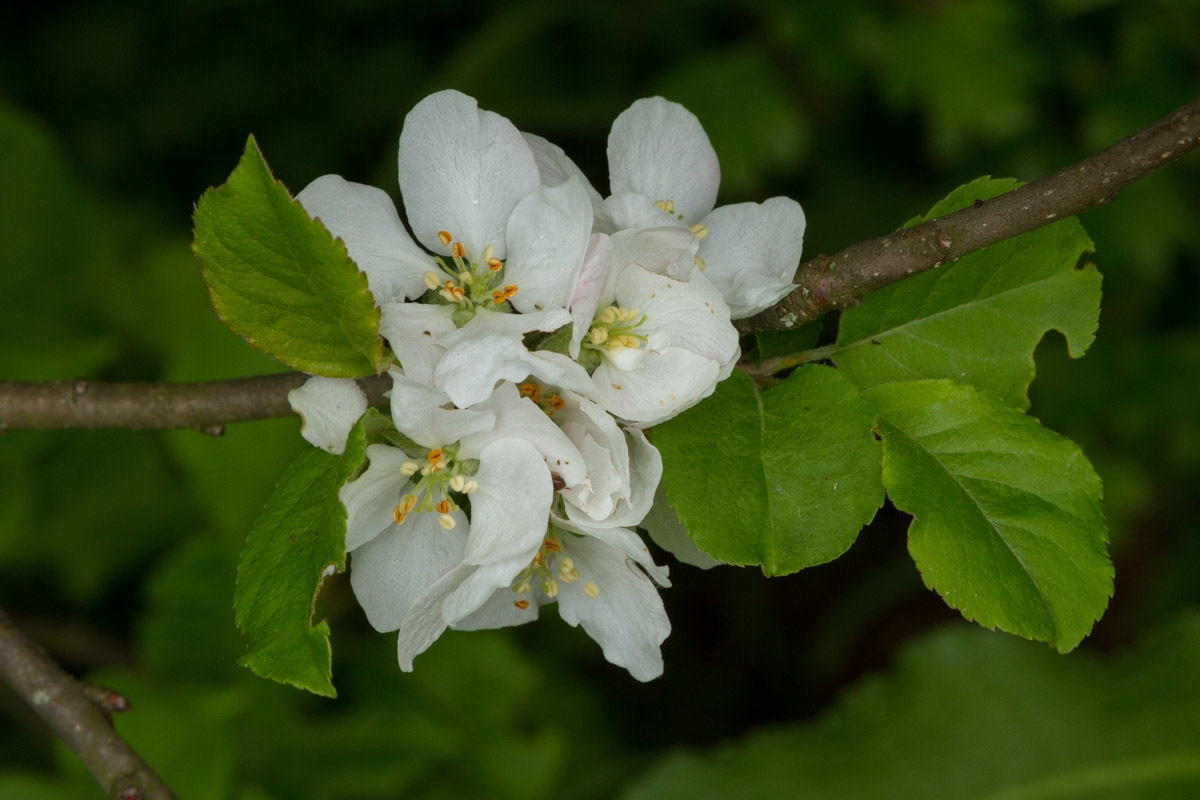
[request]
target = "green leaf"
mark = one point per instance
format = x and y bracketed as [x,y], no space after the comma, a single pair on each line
[967,714]
[783,478]
[1008,525]
[278,278]
[977,321]
[300,535]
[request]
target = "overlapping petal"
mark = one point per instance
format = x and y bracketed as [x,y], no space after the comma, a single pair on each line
[751,252]
[329,407]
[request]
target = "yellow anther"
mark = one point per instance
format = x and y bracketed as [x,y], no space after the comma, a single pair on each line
[568,576]
[497,297]
[432,280]
[465,276]
[555,402]
[444,237]
[626,314]
[401,511]
[428,468]
[435,456]
[457,483]
[665,205]
[532,391]
[447,522]
[521,604]
[457,250]
[598,335]
[470,486]
[698,230]
[487,253]
[443,506]
[700,265]
[494,264]
[567,563]
[409,467]
[510,290]
[591,589]
[523,588]
[551,588]
[550,546]
[609,315]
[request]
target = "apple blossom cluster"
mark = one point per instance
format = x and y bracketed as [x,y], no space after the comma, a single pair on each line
[537,328]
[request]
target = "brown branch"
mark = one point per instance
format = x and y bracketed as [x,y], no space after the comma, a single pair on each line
[207,407]
[825,283]
[834,282]
[80,714]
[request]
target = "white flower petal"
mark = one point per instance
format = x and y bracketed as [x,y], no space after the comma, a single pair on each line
[389,573]
[632,211]
[669,380]
[659,149]
[668,250]
[366,220]
[626,618]
[370,498]
[462,170]
[589,289]
[510,508]
[751,252]
[415,332]
[420,413]
[555,167]
[548,235]
[424,622]
[482,584]
[500,612]
[645,472]
[664,527]
[329,408]
[692,311]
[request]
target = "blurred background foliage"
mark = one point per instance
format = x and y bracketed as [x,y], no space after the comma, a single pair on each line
[118,550]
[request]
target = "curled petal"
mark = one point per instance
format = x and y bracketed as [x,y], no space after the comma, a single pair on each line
[555,167]
[751,252]
[548,235]
[329,408]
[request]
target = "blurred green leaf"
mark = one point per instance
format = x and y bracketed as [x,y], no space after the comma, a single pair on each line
[977,321]
[783,478]
[279,279]
[1007,524]
[965,713]
[298,539]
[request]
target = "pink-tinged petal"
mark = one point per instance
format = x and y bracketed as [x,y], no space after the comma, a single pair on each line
[692,312]
[751,252]
[462,170]
[659,149]
[329,408]
[370,498]
[393,570]
[668,380]
[415,332]
[555,167]
[366,220]
[626,617]
[589,289]
[548,236]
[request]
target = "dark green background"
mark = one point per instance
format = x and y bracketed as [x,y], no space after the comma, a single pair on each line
[117,549]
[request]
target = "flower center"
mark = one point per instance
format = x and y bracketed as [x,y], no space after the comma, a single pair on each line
[441,474]
[614,329]
[470,283]
[548,404]
[699,229]
[549,567]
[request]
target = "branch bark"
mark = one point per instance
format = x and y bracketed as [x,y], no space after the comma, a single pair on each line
[824,284]
[79,714]
[206,407]
[828,283]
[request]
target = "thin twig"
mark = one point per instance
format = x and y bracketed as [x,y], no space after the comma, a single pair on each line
[827,283]
[207,407]
[80,714]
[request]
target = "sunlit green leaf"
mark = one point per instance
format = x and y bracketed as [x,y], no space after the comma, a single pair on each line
[1008,525]
[979,320]
[299,539]
[279,279]
[783,478]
